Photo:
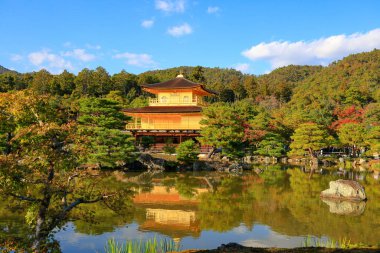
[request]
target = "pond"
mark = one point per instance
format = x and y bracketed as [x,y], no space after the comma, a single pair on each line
[270,206]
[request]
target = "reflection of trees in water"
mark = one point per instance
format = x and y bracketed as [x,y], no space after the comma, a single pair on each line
[286,200]
[12,223]
[103,217]
[274,175]
[293,210]
[186,186]
[306,207]
[222,209]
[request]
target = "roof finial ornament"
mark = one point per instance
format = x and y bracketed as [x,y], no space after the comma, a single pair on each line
[180,74]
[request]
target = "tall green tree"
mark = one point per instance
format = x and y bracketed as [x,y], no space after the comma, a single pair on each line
[42,170]
[352,134]
[272,145]
[126,83]
[197,75]
[102,81]
[308,137]
[42,81]
[224,127]
[66,82]
[250,85]
[100,124]
[237,87]
[85,83]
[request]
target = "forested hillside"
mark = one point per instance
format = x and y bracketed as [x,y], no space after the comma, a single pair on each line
[340,100]
[351,82]
[359,71]
[3,70]
[281,82]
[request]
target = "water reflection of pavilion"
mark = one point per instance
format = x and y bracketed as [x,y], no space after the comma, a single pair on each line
[169,213]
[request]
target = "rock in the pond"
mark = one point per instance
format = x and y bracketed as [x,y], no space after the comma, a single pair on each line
[345,189]
[235,168]
[345,207]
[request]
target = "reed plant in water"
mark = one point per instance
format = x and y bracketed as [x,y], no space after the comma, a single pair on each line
[152,245]
[342,243]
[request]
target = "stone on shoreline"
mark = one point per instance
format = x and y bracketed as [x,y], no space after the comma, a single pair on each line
[345,189]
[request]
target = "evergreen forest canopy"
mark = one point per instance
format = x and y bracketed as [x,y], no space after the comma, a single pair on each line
[341,99]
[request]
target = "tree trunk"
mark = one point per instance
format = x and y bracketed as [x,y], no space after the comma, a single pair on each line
[42,232]
[313,162]
[8,147]
[312,155]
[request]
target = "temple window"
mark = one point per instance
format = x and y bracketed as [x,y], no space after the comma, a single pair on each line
[164,99]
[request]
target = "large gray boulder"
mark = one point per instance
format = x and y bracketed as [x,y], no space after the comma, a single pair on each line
[345,189]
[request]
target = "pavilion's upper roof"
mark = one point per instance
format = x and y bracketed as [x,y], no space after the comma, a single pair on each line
[178,83]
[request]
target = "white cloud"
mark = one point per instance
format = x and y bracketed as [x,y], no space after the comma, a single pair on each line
[52,62]
[138,60]
[180,30]
[80,54]
[170,5]
[212,9]
[16,57]
[320,51]
[147,23]
[243,67]
[96,47]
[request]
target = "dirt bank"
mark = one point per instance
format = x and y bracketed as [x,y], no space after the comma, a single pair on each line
[236,248]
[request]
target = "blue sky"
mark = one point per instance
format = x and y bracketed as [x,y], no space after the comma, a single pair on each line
[140,35]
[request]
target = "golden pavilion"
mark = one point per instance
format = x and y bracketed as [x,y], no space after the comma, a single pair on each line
[174,112]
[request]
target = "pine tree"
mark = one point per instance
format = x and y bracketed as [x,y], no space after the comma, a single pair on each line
[197,75]
[271,145]
[100,123]
[308,137]
[351,134]
[223,128]
[187,152]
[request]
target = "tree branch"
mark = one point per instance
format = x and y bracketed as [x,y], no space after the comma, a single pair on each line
[65,192]
[26,198]
[56,220]
[85,201]
[37,117]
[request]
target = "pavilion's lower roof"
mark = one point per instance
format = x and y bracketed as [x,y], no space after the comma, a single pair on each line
[164,109]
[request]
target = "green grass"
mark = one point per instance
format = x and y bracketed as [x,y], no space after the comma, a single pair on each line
[343,243]
[152,245]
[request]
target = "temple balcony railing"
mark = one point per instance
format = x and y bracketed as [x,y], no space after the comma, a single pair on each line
[162,126]
[196,101]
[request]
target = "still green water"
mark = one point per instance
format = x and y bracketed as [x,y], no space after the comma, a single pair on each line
[268,206]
